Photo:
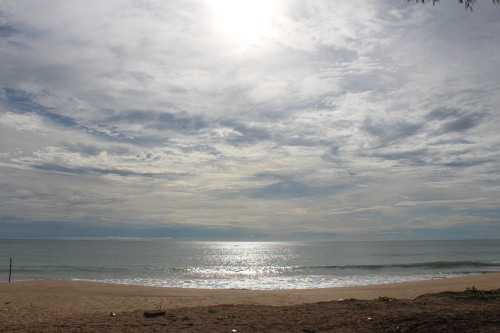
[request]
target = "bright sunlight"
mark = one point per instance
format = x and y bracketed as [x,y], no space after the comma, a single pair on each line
[244,20]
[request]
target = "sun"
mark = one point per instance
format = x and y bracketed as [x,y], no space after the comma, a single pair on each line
[244,20]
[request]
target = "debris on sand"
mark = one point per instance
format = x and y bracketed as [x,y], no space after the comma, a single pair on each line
[154,313]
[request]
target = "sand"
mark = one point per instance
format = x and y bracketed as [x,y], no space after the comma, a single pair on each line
[80,306]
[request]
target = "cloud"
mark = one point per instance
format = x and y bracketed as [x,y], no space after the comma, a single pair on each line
[389,133]
[342,119]
[179,122]
[442,113]
[92,150]
[466,163]
[279,185]
[124,173]
[463,123]
[22,102]
[243,133]
[455,120]
[83,230]
[22,122]
[6,31]
[417,157]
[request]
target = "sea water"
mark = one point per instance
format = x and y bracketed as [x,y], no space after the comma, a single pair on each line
[246,265]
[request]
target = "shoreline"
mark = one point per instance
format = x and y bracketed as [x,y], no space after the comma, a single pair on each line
[105,293]
[81,306]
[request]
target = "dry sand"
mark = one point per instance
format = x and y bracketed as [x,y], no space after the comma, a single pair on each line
[80,306]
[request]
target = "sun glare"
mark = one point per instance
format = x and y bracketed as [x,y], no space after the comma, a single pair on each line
[244,20]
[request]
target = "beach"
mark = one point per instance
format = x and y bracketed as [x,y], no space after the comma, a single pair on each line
[82,306]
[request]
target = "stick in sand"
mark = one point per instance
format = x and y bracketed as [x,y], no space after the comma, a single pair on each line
[10,269]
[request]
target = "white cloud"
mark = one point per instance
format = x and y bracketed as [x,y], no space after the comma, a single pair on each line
[29,123]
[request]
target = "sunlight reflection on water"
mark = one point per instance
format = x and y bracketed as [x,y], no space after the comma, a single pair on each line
[250,265]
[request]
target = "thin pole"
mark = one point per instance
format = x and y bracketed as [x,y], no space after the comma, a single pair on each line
[10,269]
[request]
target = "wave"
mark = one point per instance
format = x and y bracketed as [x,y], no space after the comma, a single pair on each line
[428,265]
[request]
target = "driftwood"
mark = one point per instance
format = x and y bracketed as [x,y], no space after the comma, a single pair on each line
[154,313]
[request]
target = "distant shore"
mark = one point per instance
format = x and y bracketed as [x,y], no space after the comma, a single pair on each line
[32,302]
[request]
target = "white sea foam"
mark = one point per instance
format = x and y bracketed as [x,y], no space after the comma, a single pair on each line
[268,283]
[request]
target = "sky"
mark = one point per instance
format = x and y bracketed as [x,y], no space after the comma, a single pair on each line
[249,120]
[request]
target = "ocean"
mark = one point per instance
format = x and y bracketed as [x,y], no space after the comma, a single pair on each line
[246,265]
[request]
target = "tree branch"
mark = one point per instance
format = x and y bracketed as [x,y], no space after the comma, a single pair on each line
[468,3]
